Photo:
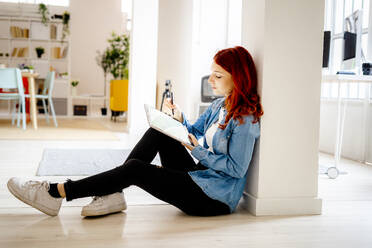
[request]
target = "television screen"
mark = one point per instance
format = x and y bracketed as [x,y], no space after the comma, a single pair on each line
[207,94]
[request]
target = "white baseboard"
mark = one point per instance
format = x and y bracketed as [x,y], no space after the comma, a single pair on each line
[281,206]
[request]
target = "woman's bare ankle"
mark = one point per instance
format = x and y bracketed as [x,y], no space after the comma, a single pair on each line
[61,190]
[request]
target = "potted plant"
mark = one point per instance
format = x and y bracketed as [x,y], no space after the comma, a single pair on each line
[74,83]
[29,68]
[117,59]
[43,10]
[39,51]
[65,22]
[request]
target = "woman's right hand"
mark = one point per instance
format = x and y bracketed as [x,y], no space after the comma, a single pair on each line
[176,109]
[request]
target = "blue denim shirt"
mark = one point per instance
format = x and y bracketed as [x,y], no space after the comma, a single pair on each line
[226,173]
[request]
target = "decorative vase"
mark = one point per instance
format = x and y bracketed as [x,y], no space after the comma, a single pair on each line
[39,53]
[74,91]
[104,111]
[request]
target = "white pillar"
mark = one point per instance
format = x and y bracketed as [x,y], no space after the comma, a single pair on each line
[143,63]
[285,39]
[174,48]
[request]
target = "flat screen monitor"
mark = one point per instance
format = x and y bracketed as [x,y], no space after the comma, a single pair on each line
[352,51]
[350,40]
[207,94]
[326,47]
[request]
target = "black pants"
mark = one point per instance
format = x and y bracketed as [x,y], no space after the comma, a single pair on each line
[170,183]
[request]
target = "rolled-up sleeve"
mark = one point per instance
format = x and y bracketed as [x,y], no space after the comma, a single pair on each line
[239,153]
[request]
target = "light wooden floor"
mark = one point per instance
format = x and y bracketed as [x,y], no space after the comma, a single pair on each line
[346,220]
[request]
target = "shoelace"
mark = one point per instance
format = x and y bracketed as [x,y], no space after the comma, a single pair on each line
[37,184]
[96,200]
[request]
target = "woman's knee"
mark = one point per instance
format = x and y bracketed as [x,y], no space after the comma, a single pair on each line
[132,164]
[152,132]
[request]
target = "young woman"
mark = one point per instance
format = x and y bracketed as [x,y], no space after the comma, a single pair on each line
[213,186]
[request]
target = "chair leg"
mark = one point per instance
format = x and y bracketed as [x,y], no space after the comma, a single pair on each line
[46,111]
[52,110]
[14,113]
[23,114]
[19,112]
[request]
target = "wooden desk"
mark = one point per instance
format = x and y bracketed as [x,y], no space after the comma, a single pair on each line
[31,88]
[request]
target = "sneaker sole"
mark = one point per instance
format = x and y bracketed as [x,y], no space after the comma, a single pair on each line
[39,207]
[113,209]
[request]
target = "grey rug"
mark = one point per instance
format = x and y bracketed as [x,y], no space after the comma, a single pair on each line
[82,162]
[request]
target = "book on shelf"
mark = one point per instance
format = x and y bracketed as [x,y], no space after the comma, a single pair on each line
[22,52]
[26,33]
[55,52]
[14,52]
[64,52]
[53,32]
[17,32]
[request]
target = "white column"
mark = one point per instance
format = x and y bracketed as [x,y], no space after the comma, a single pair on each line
[143,63]
[285,39]
[174,48]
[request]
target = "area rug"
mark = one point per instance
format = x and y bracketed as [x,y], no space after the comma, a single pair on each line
[82,162]
[68,129]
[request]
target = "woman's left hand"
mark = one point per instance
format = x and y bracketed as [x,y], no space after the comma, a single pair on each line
[193,141]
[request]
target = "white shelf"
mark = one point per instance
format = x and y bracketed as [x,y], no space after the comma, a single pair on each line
[90,97]
[38,35]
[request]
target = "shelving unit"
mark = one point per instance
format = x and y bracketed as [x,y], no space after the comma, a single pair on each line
[39,35]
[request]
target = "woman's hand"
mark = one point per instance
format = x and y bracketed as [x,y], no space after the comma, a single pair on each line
[176,110]
[193,141]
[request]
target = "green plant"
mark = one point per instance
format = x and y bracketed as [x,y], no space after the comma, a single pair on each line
[39,51]
[116,56]
[43,10]
[65,22]
[74,83]
[103,62]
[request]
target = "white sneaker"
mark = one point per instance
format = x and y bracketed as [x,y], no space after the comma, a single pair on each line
[107,204]
[35,194]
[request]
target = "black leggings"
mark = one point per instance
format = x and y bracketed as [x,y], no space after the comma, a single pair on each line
[170,182]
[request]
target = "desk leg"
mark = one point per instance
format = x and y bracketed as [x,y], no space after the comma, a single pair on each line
[31,85]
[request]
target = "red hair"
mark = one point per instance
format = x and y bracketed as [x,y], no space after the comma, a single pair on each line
[243,99]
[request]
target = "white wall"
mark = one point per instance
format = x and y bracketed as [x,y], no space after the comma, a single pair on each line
[353,142]
[209,36]
[92,22]
[190,33]
[285,38]
[174,49]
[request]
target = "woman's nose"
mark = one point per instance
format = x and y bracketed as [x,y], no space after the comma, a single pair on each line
[210,79]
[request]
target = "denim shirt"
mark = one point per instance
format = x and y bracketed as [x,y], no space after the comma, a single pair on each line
[226,173]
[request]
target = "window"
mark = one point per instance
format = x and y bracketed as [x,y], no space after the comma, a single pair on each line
[234,21]
[335,13]
[126,8]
